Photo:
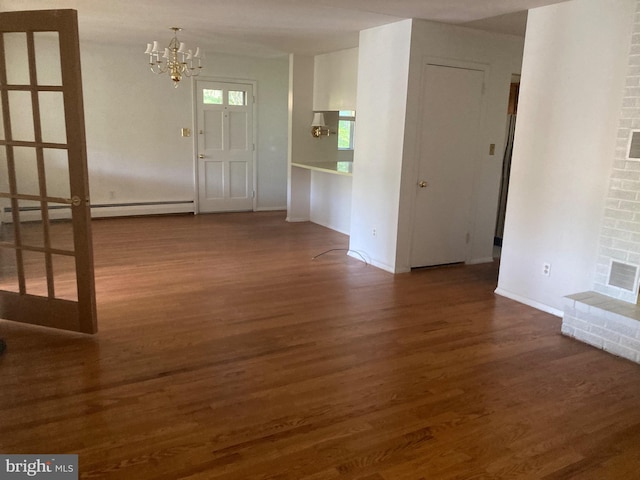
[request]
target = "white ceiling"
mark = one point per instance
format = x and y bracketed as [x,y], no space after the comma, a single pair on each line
[273,27]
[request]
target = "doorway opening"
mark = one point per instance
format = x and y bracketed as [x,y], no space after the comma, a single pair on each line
[512,111]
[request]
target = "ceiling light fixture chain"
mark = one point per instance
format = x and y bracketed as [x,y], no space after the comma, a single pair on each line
[175,59]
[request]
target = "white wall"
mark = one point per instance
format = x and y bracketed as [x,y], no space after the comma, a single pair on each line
[501,55]
[272,76]
[133,120]
[383,69]
[330,201]
[573,74]
[301,143]
[335,80]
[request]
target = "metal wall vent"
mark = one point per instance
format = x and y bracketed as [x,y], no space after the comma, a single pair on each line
[634,145]
[623,276]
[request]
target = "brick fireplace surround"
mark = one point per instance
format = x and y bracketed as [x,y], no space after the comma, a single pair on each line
[604,322]
[609,316]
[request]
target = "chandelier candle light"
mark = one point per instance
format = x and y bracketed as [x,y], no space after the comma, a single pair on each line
[174,59]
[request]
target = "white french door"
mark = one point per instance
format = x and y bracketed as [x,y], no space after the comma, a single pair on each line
[225,146]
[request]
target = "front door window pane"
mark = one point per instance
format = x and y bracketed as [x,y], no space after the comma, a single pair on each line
[211,97]
[237,98]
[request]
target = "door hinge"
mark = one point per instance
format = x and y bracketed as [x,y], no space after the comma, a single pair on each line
[254,147]
[253,194]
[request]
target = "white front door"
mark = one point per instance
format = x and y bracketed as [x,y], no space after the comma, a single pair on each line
[451,111]
[225,146]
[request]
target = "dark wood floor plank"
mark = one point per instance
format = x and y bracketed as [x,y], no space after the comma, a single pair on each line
[226,352]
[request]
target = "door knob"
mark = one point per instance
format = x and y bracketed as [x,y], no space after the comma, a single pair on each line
[201,155]
[423,184]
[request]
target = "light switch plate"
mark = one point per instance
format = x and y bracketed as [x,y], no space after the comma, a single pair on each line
[185,132]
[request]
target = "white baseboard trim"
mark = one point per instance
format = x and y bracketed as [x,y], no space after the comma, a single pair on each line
[105,211]
[63,213]
[363,257]
[297,219]
[271,209]
[529,302]
[331,227]
[477,261]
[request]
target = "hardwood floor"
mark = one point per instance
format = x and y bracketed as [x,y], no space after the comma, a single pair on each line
[226,352]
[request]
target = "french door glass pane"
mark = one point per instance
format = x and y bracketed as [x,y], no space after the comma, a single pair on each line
[35,273]
[56,168]
[21,116]
[5,211]
[64,275]
[4,171]
[47,47]
[8,270]
[31,226]
[52,117]
[7,232]
[1,123]
[16,58]
[61,229]
[26,165]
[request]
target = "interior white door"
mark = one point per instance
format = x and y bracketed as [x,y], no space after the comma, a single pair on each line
[225,146]
[451,112]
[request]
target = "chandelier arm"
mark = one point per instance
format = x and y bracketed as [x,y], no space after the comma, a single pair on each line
[158,68]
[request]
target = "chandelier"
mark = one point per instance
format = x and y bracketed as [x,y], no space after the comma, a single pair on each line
[174,59]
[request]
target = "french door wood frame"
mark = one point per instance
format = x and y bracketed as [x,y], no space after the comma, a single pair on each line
[18,304]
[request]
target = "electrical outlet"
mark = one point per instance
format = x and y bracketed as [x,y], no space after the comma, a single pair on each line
[546,269]
[374,232]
